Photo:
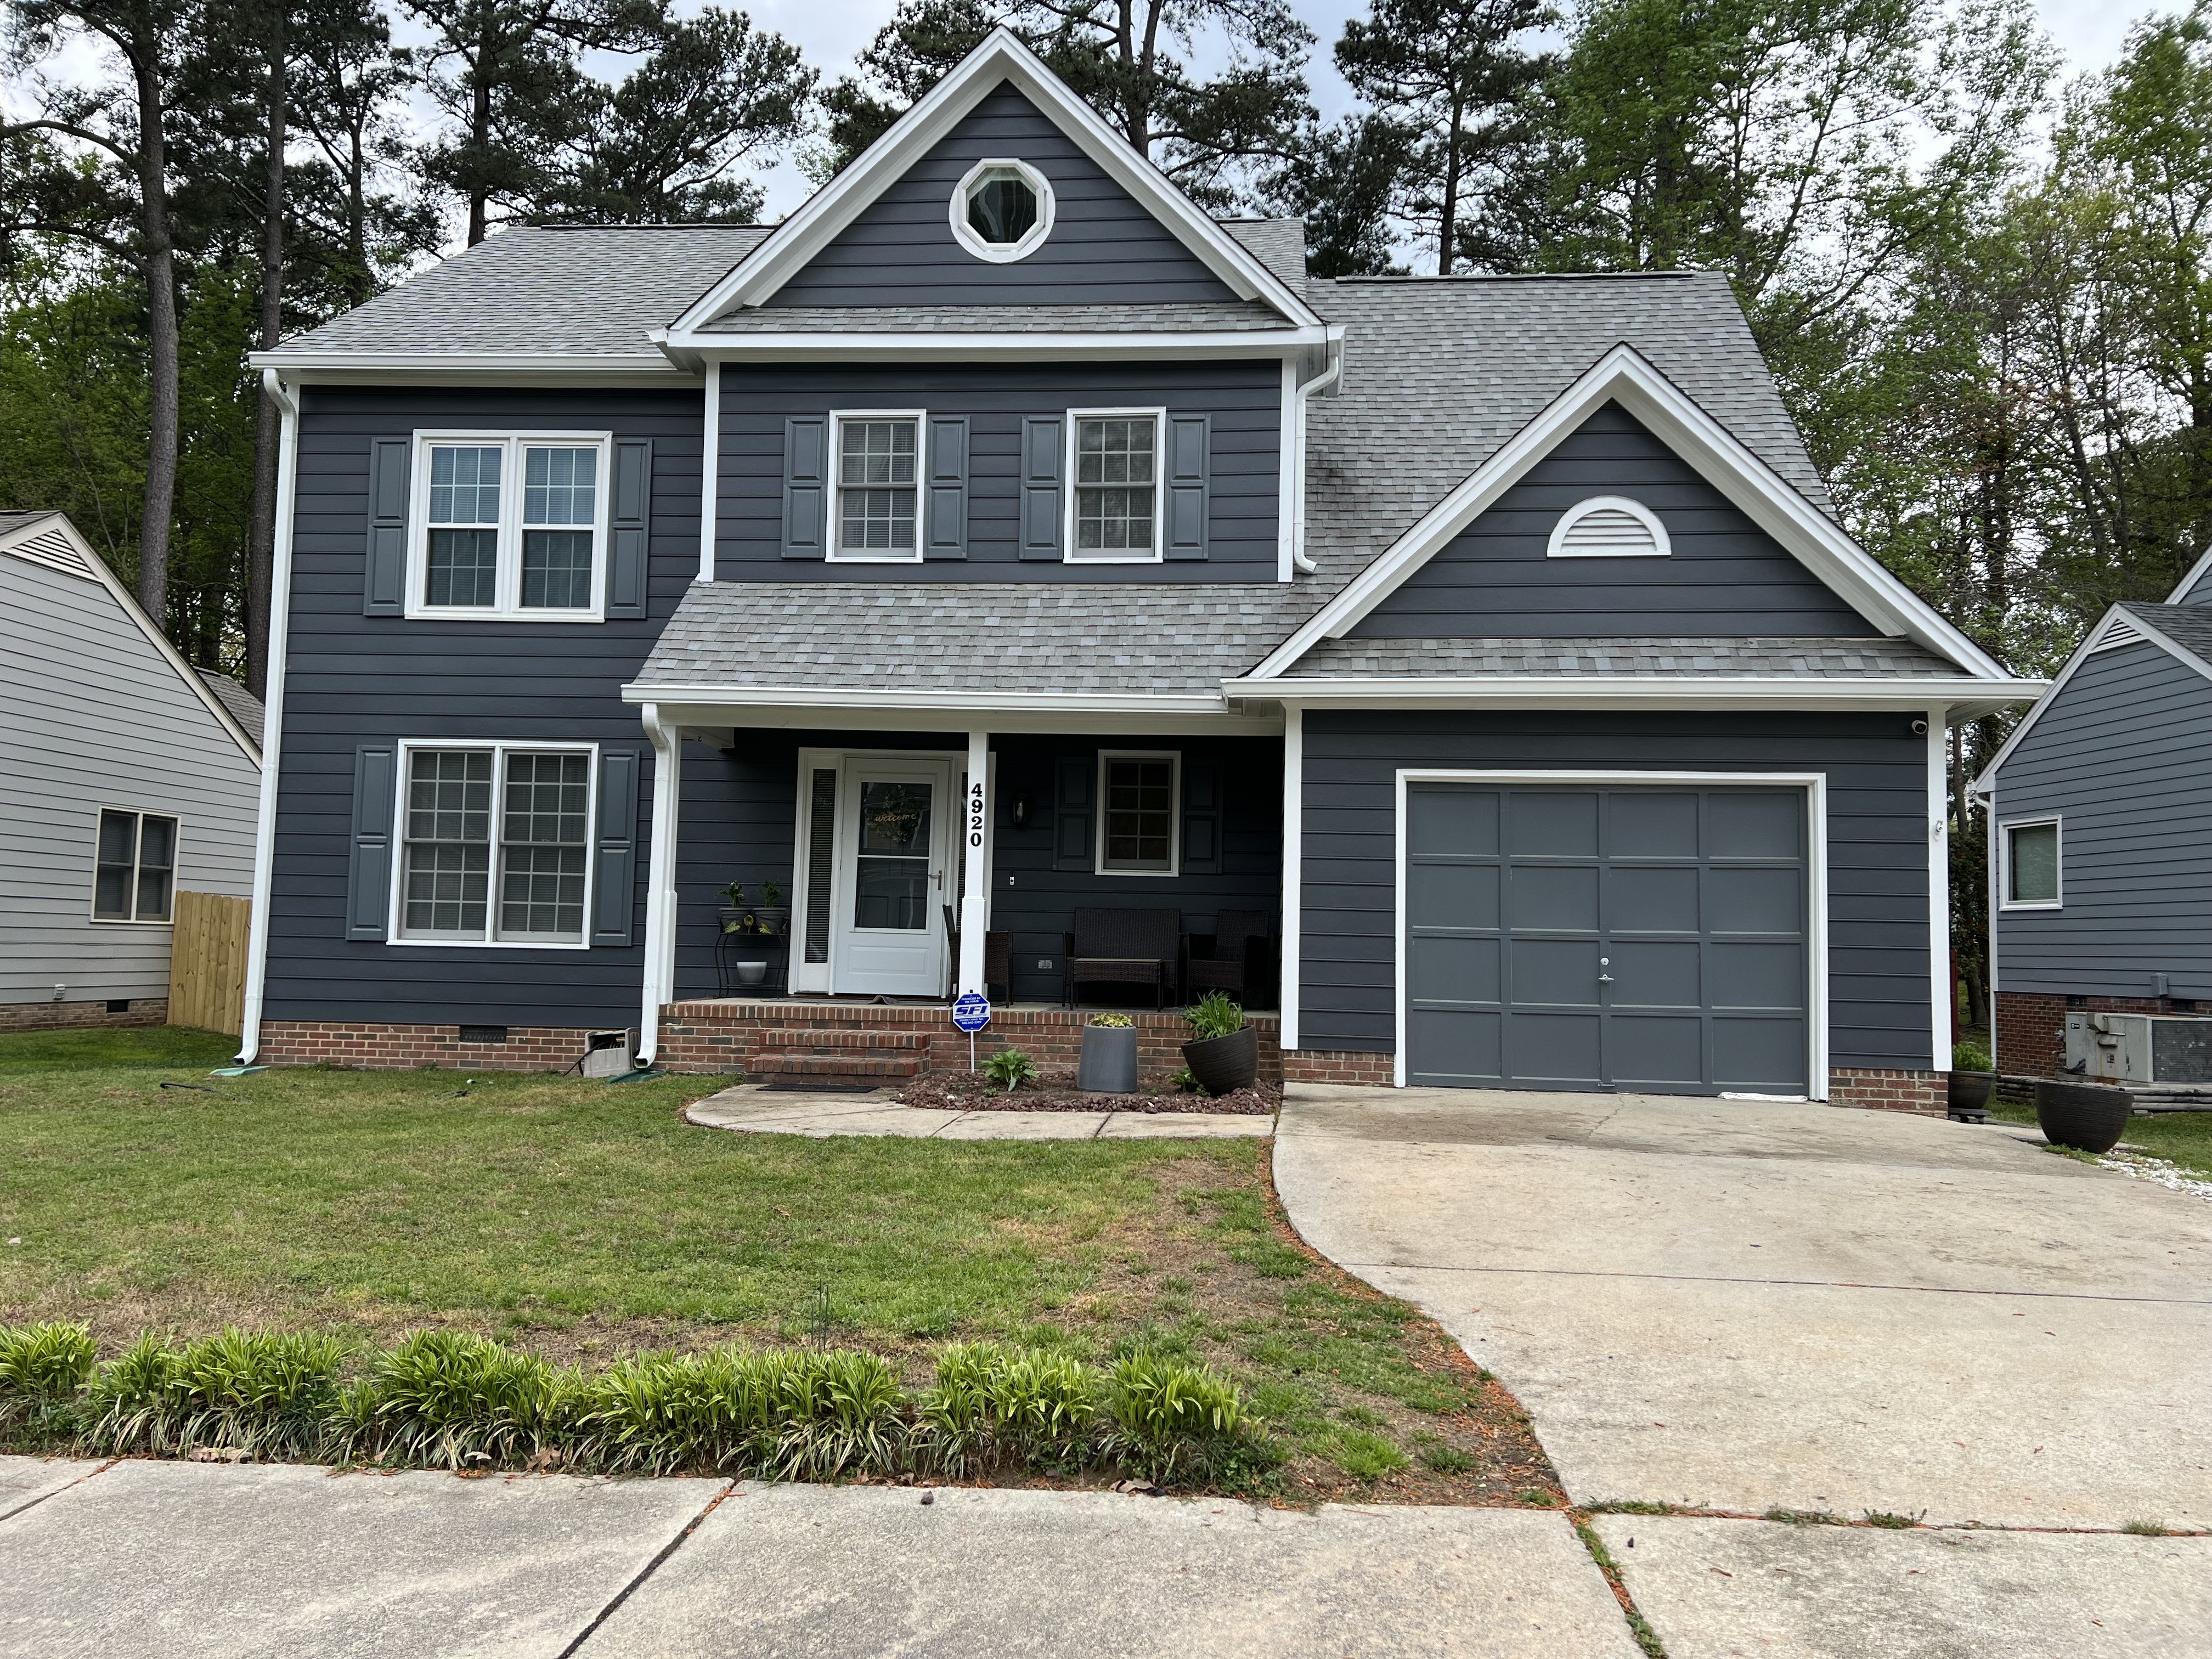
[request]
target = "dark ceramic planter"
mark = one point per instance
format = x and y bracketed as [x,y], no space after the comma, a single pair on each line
[772,918]
[1224,1064]
[2089,1117]
[1970,1093]
[1108,1063]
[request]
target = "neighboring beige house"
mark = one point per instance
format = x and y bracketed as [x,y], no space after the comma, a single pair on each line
[125,774]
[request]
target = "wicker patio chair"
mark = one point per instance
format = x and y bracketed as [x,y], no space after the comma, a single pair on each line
[1239,957]
[1123,947]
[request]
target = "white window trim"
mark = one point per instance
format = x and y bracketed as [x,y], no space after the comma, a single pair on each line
[1158,417]
[1033,238]
[176,854]
[1174,757]
[509,607]
[501,748]
[2005,900]
[1660,546]
[832,552]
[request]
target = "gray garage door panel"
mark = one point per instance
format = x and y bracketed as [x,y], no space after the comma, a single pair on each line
[1593,938]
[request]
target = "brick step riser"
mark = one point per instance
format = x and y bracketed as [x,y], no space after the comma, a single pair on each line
[829,1065]
[844,1039]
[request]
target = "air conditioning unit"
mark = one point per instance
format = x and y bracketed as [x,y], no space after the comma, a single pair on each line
[2140,1047]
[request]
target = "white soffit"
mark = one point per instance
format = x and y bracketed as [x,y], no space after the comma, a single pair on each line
[1624,376]
[1001,57]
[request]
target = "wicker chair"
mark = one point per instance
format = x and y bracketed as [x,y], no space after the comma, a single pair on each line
[1239,957]
[1123,947]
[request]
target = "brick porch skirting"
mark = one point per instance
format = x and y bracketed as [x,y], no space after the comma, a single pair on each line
[365,1046]
[1338,1066]
[2032,1025]
[60,1016]
[1926,1092]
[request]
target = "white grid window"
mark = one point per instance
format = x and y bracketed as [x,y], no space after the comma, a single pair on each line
[877,460]
[1138,796]
[2031,866]
[134,869]
[1116,477]
[511,527]
[496,845]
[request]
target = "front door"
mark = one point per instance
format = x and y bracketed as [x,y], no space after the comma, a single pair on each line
[889,927]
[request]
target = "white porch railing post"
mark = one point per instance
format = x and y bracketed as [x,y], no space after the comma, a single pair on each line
[975,842]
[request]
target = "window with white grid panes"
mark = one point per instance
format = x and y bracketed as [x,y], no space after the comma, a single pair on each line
[1136,806]
[511,527]
[1116,475]
[878,458]
[495,845]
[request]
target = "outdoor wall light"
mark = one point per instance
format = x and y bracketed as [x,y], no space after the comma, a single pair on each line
[1021,810]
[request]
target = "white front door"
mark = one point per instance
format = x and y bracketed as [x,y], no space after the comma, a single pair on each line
[888,925]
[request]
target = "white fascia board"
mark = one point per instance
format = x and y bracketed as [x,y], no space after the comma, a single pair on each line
[1620,691]
[2190,580]
[1018,346]
[1986,780]
[420,367]
[124,597]
[1768,500]
[864,697]
[1001,56]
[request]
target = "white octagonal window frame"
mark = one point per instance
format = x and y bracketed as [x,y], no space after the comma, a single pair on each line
[1033,238]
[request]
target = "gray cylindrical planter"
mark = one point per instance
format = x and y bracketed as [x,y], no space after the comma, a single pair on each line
[1109,1065]
[2090,1117]
[1224,1064]
[752,973]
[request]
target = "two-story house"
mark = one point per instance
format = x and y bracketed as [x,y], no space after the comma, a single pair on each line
[1001,537]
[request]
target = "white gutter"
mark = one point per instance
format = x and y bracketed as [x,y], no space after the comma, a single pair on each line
[292,362]
[272,733]
[659,974]
[1634,691]
[779,345]
[1299,560]
[857,697]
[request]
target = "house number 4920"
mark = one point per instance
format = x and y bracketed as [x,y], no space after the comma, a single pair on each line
[975,815]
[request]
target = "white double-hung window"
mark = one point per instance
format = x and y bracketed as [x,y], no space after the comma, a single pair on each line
[878,459]
[1114,462]
[495,843]
[509,526]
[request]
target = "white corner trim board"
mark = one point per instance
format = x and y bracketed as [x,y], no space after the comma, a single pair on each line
[280,616]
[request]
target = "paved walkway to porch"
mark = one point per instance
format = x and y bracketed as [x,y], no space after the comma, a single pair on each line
[752,1108]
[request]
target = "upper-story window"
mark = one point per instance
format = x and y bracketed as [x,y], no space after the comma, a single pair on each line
[878,458]
[1608,527]
[1002,210]
[1115,505]
[509,526]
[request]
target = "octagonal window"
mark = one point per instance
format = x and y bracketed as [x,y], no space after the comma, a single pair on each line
[1002,210]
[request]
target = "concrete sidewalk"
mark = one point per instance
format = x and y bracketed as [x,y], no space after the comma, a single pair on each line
[147,1559]
[757,1109]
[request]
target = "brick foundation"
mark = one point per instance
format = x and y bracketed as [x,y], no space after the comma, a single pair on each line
[64,1016]
[1926,1092]
[376,1048]
[1339,1065]
[2032,1025]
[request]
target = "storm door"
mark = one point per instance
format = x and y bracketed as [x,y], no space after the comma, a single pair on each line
[893,846]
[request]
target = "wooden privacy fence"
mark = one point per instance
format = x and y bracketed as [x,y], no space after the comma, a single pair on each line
[207,962]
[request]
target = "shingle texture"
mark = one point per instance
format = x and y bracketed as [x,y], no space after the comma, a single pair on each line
[1811,659]
[2188,626]
[245,707]
[1016,319]
[1278,244]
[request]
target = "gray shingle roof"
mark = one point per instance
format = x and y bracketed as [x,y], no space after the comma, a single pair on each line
[16,520]
[1278,244]
[1810,659]
[2188,626]
[245,707]
[1018,319]
[600,289]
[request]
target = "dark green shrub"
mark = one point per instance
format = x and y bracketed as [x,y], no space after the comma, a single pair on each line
[453,1400]
[269,1394]
[1216,1014]
[1010,1069]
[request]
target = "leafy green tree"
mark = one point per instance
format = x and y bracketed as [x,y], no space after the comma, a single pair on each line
[1342,180]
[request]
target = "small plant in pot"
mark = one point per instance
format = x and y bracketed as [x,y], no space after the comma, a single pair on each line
[2089,1117]
[1108,1062]
[736,915]
[1224,1052]
[772,914]
[1974,1075]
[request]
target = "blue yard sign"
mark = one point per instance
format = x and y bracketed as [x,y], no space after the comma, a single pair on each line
[972,1011]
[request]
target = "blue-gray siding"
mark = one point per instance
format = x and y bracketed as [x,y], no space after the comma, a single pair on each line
[2123,755]
[1726,578]
[1104,248]
[1877,847]
[1244,400]
[353,679]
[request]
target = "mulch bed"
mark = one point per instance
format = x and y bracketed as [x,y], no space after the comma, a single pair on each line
[1054,1090]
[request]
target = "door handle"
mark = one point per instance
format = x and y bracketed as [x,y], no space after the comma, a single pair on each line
[1605,979]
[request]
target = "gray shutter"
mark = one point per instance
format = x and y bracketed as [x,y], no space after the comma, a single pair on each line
[805,487]
[1201,818]
[1040,487]
[1186,447]
[383,588]
[368,872]
[614,877]
[946,509]
[1070,813]
[628,524]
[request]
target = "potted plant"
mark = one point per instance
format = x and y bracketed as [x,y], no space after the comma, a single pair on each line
[736,915]
[1108,1063]
[772,914]
[1974,1075]
[1224,1052]
[2087,1117]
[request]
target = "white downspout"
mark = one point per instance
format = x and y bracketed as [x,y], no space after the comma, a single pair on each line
[272,732]
[1299,560]
[660,973]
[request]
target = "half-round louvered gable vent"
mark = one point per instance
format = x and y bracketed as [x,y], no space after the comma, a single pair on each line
[1608,527]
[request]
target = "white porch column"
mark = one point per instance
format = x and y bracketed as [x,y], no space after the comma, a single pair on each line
[976,844]
[1943,992]
[1294,774]
[659,969]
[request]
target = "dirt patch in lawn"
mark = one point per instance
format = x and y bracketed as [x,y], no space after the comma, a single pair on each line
[1053,1089]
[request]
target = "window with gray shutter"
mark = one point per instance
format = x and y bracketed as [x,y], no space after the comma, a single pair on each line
[805,487]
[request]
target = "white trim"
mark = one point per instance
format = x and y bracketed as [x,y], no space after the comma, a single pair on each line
[815,974]
[138,840]
[1017,345]
[1293,881]
[1779,691]
[1770,501]
[880,697]
[974,860]
[1295,450]
[1557,547]
[499,748]
[1287,475]
[1031,240]
[1174,759]
[280,620]
[513,442]
[1001,56]
[2196,575]
[305,367]
[1942,993]
[1074,419]
[1816,785]
[2005,900]
[835,468]
[657,976]
[2121,631]
[710,470]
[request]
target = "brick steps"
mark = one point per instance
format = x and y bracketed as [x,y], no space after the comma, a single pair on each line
[853,1058]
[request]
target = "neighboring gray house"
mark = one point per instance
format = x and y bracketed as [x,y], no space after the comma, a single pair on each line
[1001,538]
[125,774]
[2100,844]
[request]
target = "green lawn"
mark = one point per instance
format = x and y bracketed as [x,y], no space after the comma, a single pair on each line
[586,1219]
[2180,1137]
